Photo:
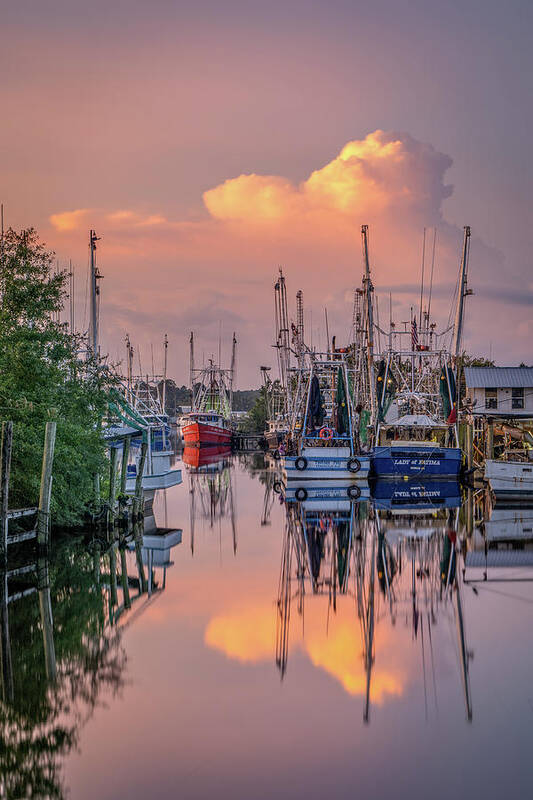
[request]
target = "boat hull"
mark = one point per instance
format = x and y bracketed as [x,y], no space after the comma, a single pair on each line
[325,463]
[510,479]
[412,461]
[199,433]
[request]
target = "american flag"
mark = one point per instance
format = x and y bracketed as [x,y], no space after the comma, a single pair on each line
[414,334]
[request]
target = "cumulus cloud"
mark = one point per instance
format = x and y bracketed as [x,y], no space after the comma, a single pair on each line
[252,223]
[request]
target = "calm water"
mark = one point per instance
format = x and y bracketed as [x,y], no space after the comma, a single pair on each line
[284,650]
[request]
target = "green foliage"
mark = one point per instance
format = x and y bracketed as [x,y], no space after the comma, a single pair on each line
[257,416]
[43,377]
[475,361]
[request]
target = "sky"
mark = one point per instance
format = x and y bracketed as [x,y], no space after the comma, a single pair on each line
[211,143]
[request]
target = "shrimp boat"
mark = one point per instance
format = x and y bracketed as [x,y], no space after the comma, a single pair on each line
[411,386]
[209,421]
[326,448]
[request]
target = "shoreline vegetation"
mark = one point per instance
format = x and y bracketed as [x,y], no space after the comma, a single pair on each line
[48,373]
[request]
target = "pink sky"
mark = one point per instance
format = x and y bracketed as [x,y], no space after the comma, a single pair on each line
[208,148]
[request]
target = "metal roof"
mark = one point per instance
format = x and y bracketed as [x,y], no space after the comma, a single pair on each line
[498,377]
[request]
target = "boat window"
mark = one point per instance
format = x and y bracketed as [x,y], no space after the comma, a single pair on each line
[491,398]
[518,398]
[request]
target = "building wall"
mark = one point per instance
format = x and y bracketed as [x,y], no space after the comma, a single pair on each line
[505,404]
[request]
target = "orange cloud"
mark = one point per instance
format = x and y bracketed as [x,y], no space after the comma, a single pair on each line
[70,220]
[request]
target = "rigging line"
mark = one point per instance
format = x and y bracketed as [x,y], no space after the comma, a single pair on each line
[432,269]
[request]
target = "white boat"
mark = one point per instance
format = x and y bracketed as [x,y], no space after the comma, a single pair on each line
[161,480]
[510,478]
[325,438]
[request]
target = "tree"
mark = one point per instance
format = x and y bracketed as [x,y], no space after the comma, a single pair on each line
[257,416]
[44,374]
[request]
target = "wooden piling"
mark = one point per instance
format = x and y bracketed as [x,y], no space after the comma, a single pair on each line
[5,468]
[112,476]
[140,471]
[112,492]
[124,465]
[469,445]
[489,439]
[45,496]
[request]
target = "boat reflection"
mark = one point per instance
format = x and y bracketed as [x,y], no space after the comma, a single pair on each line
[396,556]
[211,488]
[501,547]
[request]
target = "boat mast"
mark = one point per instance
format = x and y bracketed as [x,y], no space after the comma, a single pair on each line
[462,293]
[191,368]
[300,326]
[369,309]
[282,335]
[232,371]
[95,294]
[165,346]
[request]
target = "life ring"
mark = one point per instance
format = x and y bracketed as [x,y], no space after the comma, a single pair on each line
[353,492]
[300,463]
[301,493]
[354,465]
[326,434]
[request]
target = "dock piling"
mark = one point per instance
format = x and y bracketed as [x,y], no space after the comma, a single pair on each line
[43,514]
[5,467]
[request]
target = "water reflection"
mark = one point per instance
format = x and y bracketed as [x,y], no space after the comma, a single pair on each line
[62,623]
[211,488]
[395,556]
[369,610]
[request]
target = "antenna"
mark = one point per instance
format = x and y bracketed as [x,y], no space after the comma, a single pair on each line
[327,328]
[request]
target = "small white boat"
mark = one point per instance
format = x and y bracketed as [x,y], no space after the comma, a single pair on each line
[163,480]
[510,478]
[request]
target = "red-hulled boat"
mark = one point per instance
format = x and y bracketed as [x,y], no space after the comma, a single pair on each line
[209,421]
[205,427]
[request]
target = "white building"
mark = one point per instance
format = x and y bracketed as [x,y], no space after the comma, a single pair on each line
[500,391]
